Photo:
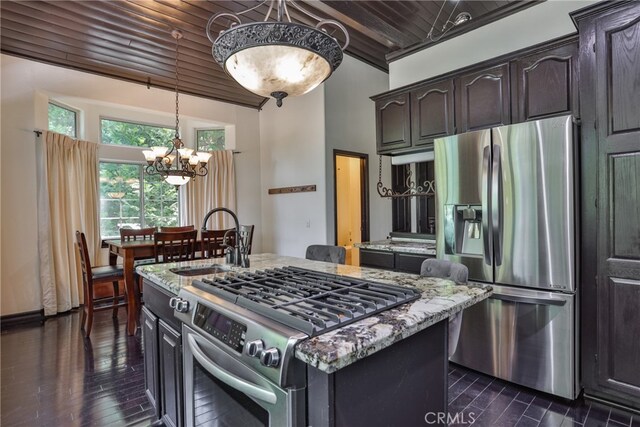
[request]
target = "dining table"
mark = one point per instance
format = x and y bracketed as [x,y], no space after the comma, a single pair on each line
[129,251]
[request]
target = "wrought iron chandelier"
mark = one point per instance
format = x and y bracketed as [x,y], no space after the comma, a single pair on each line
[178,164]
[460,19]
[280,58]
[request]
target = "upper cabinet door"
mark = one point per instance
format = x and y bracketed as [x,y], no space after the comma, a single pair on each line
[432,112]
[545,84]
[393,123]
[483,99]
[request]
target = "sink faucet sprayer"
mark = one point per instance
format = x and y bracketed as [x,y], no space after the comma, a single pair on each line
[236,255]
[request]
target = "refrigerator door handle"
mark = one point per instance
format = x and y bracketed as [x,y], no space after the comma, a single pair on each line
[486,194]
[496,204]
[529,300]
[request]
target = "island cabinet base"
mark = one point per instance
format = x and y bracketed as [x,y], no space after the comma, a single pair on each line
[402,385]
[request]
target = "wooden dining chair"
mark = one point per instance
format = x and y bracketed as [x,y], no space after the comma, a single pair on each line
[92,276]
[212,242]
[246,234]
[128,234]
[176,229]
[175,246]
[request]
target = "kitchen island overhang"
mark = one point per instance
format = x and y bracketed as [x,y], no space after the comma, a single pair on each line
[400,352]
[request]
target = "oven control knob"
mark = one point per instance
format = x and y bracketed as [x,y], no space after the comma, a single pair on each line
[254,348]
[270,357]
[181,306]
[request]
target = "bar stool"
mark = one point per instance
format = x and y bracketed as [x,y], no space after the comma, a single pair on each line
[92,276]
[326,253]
[457,272]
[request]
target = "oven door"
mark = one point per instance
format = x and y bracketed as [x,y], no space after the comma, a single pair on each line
[221,390]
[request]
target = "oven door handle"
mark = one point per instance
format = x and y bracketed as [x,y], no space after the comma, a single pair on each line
[248,388]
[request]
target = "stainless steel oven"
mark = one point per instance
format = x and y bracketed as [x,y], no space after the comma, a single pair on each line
[221,390]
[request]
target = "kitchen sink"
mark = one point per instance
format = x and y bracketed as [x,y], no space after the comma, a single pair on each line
[199,271]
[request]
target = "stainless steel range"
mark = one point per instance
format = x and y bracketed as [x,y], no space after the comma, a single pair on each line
[239,335]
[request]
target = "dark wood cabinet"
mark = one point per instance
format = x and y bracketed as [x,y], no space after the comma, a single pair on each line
[170,352]
[393,123]
[396,261]
[150,342]
[483,99]
[544,83]
[610,183]
[432,113]
[162,356]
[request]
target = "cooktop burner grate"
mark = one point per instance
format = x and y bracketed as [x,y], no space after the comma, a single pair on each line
[307,300]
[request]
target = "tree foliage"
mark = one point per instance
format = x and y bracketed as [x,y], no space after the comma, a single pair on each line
[128,196]
[210,139]
[62,120]
[135,134]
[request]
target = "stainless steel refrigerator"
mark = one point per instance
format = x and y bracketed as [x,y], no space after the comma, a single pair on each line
[505,209]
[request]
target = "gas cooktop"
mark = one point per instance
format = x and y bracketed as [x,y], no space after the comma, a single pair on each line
[306,300]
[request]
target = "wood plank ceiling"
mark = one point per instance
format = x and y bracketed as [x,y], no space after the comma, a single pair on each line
[131,39]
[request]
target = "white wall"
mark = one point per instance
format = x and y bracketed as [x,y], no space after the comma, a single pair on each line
[292,149]
[536,24]
[350,126]
[26,87]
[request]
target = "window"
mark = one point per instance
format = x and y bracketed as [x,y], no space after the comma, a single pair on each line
[209,139]
[131,198]
[135,134]
[63,120]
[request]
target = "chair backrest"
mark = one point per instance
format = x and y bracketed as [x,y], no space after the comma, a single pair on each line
[246,234]
[85,263]
[444,269]
[327,253]
[127,234]
[175,246]
[212,241]
[176,229]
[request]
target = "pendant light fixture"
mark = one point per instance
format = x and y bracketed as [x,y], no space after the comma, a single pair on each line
[277,58]
[178,164]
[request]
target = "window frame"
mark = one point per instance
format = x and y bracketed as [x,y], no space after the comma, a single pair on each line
[76,115]
[196,130]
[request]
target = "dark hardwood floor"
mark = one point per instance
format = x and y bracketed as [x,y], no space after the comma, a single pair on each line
[52,376]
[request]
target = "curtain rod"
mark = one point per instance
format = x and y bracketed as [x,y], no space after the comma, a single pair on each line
[39,132]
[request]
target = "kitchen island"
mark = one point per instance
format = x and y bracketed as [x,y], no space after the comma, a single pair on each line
[388,367]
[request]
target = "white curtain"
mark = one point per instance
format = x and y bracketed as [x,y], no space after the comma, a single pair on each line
[217,189]
[67,201]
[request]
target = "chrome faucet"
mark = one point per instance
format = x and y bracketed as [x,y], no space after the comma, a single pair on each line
[238,254]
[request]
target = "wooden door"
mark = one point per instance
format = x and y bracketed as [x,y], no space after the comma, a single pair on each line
[432,113]
[544,84]
[393,125]
[483,99]
[610,200]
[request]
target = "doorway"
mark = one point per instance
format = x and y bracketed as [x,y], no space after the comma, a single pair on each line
[351,180]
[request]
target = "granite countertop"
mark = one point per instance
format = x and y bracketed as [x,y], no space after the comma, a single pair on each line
[336,349]
[413,246]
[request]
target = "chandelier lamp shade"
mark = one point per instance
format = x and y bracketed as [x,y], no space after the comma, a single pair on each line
[277,58]
[176,164]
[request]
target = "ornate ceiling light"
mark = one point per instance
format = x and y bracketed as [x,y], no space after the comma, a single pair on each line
[280,58]
[178,164]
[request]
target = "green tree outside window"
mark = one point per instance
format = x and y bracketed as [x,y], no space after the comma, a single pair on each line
[209,139]
[135,134]
[62,120]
